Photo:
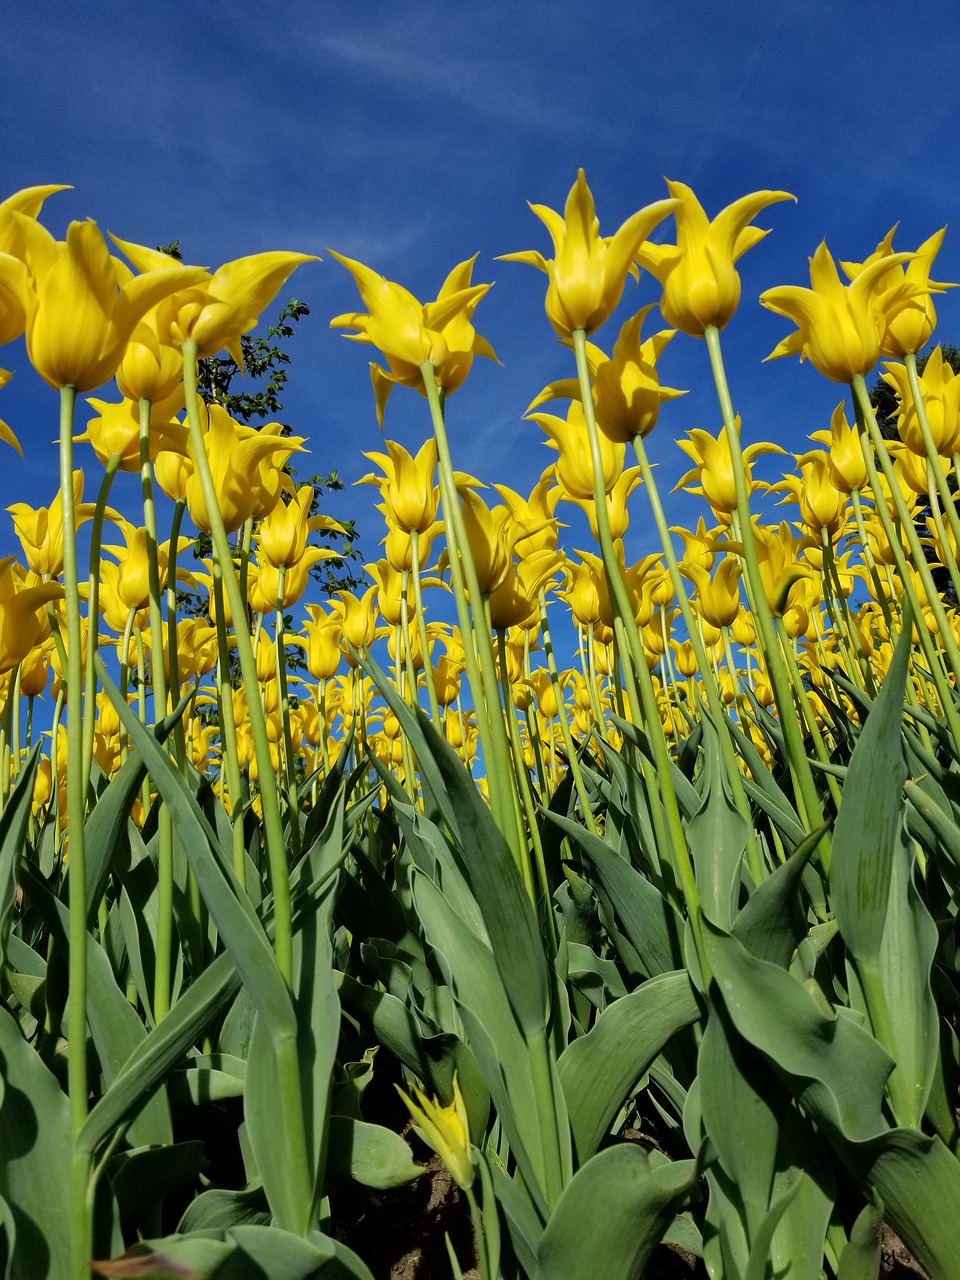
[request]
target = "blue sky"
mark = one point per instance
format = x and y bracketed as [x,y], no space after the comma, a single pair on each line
[412,136]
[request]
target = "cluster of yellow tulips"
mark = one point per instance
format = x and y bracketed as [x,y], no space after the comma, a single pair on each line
[747,609]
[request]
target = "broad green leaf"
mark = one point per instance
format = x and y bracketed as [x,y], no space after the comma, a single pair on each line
[116,1029]
[598,1070]
[863,1253]
[869,822]
[165,1046]
[36,1159]
[13,829]
[651,925]
[369,1154]
[834,1066]
[612,1215]
[142,1176]
[717,837]
[772,922]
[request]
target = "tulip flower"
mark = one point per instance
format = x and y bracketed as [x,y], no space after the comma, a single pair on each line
[840,327]
[574,467]
[446,1130]
[216,309]
[822,505]
[515,602]
[245,465]
[714,469]
[409,333]
[83,305]
[14,276]
[150,370]
[904,294]
[626,386]
[410,498]
[588,271]
[40,529]
[940,388]
[358,621]
[848,470]
[701,287]
[282,535]
[618,517]
[718,598]
[22,622]
[534,514]
[116,430]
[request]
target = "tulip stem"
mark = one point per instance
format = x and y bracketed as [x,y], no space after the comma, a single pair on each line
[293,800]
[482,675]
[77,1085]
[762,615]
[93,611]
[415,571]
[707,676]
[272,822]
[675,845]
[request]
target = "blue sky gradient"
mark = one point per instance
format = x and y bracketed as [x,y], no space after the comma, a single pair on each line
[411,137]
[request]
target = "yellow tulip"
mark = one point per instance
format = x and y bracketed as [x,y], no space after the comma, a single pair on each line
[534,514]
[389,592]
[282,535]
[848,470]
[714,469]
[410,498]
[320,643]
[23,624]
[574,467]
[618,517]
[840,327]
[358,621]
[822,505]
[514,603]
[14,276]
[409,333]
[150,369]
[588,271]
[626,386]
[904,294]
[214,310]
[940,388]
[83,305]
[40,529]
[492,534]
[701,286]
[446,1130]
[245,465]
[116,430]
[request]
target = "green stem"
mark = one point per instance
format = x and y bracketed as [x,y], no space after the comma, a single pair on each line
[708,679]
[77,1084]
[293,801]
[272,822]
[868,423]
[762,615]
[481,675]
[641,682]
[93,610]
[422,628]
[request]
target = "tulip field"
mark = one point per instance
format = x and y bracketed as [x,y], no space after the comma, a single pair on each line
[612,904]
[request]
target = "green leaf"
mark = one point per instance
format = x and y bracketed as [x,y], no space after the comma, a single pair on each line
[35,1168]
[863,1253]
[13,830]
[717,837]
[369,1154]
[612,1215]
[869,822]
[598,1070]
[651,925]
[140,1177]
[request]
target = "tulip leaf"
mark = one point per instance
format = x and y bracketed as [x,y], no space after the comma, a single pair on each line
[598,1070]
[870,818]
[369,1154]
[13,828]
[863,1253]
[35,1168]
[612,1215]
[717,837]
[651,925]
